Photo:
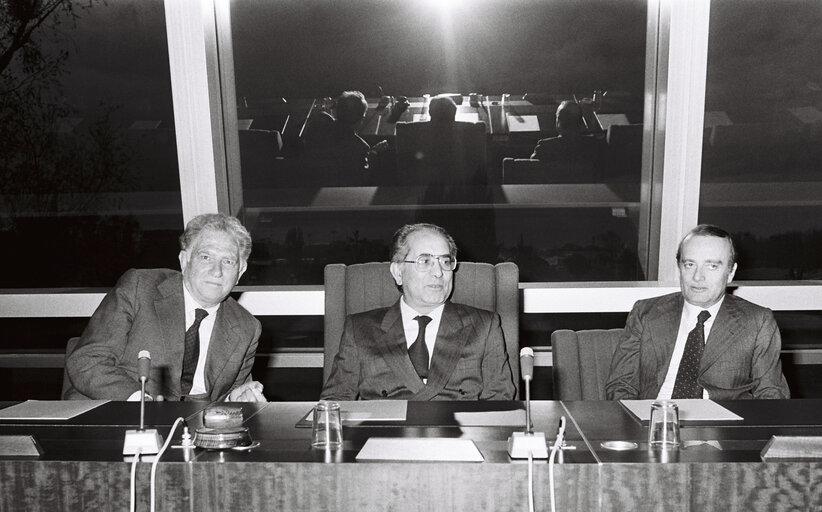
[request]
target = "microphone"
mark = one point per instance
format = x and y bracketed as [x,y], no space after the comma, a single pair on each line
[143,365]
[142,441]
[526,363]
[522,445]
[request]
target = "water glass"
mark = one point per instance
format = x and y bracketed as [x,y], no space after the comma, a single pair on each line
[327,425]
[663,430]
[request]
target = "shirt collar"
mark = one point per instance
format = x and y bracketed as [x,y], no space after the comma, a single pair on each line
[693,311]
[408,313]
[191,304]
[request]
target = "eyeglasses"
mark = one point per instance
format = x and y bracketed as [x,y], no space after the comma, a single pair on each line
[425,262]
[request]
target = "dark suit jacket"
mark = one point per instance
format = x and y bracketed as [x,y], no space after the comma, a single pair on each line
[740,360]
[469,360]
[146,311]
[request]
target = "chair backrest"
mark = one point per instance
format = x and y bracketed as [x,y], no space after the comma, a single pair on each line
[72,343]
[582,361]
[431,153]
[355,288]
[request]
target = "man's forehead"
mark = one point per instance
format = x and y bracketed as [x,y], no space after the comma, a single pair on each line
[706,247]
[423,241]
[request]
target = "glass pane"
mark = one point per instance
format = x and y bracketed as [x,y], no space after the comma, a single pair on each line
[90,184]
[762,149]
[314,193]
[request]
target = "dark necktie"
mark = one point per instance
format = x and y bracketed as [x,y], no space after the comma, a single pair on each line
[418,351]
[192,351]
[685,385]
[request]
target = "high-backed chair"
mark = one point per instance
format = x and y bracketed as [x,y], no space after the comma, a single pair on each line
[441,154]
[355,288]
[582,361]
[72,343]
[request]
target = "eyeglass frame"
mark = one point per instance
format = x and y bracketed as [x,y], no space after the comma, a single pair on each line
[438,259]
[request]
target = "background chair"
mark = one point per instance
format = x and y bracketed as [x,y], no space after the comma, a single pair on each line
[355,288]
[441,154]
[582,360]
[72,343]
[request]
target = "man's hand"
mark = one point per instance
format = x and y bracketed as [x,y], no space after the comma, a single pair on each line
[249,392]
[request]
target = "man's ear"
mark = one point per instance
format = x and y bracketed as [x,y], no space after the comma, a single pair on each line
[183,257]
[396,272]
[731,274]
[243,268]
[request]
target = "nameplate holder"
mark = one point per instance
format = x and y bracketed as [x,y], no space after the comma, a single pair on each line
[792,448]
[20,446]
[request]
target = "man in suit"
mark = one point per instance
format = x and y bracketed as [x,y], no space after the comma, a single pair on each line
[424,347]
[202,342]
[702,342]
[572,150]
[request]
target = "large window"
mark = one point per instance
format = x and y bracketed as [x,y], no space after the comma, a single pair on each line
[88,166]
[762,149]
[507,65]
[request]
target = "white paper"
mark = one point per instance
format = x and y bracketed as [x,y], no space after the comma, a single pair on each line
[374,410]
[606,120]
[515,418]
[49,409]
[692,409]
[436,449]
[522,123]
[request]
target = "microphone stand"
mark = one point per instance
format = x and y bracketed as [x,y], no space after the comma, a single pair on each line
[528,444]
[142,441]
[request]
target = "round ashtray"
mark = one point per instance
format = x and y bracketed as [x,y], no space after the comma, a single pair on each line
[619,446]
[223,417]
[221,438]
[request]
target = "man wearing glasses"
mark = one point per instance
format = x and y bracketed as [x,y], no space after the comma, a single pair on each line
[423,347]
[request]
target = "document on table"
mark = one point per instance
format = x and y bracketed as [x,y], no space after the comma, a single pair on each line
[421,449]
[692,410]
[527,123]
[366,410]
[49,409]
[515,418]
[792,448]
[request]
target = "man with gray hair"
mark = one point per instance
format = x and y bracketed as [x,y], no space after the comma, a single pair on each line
[202,342]
[424,347]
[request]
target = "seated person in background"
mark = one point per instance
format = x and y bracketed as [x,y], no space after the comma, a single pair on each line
[335,139]
[700,342]
[442,151]
[384,353]
[202,343]
[571,149]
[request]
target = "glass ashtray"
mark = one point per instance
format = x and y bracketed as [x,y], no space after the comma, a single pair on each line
[221,438]
[619,446]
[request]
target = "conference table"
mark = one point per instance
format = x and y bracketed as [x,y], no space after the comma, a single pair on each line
[718,467]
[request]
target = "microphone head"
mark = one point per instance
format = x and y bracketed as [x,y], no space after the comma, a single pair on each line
[526,363]
[143,364]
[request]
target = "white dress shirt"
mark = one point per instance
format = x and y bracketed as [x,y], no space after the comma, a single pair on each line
[411,327]
[686,325]
[198,386]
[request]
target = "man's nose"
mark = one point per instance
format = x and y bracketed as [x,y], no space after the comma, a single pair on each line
[217,269]
[436,268]
[699,274]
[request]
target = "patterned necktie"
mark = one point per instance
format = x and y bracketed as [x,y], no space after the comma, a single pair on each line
[418,351]
[192,351]
[686,385]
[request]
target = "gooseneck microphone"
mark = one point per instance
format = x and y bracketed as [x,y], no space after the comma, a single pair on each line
[528,444]
[142,441]
[143,370]
[526,365]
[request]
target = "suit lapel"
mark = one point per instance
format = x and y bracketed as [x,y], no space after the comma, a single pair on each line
[224,341]
[170,310]
[722,333]
[451,338]
[393,347]
[663,334]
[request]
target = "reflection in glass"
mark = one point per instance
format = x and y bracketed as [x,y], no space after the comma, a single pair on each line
[503,67]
